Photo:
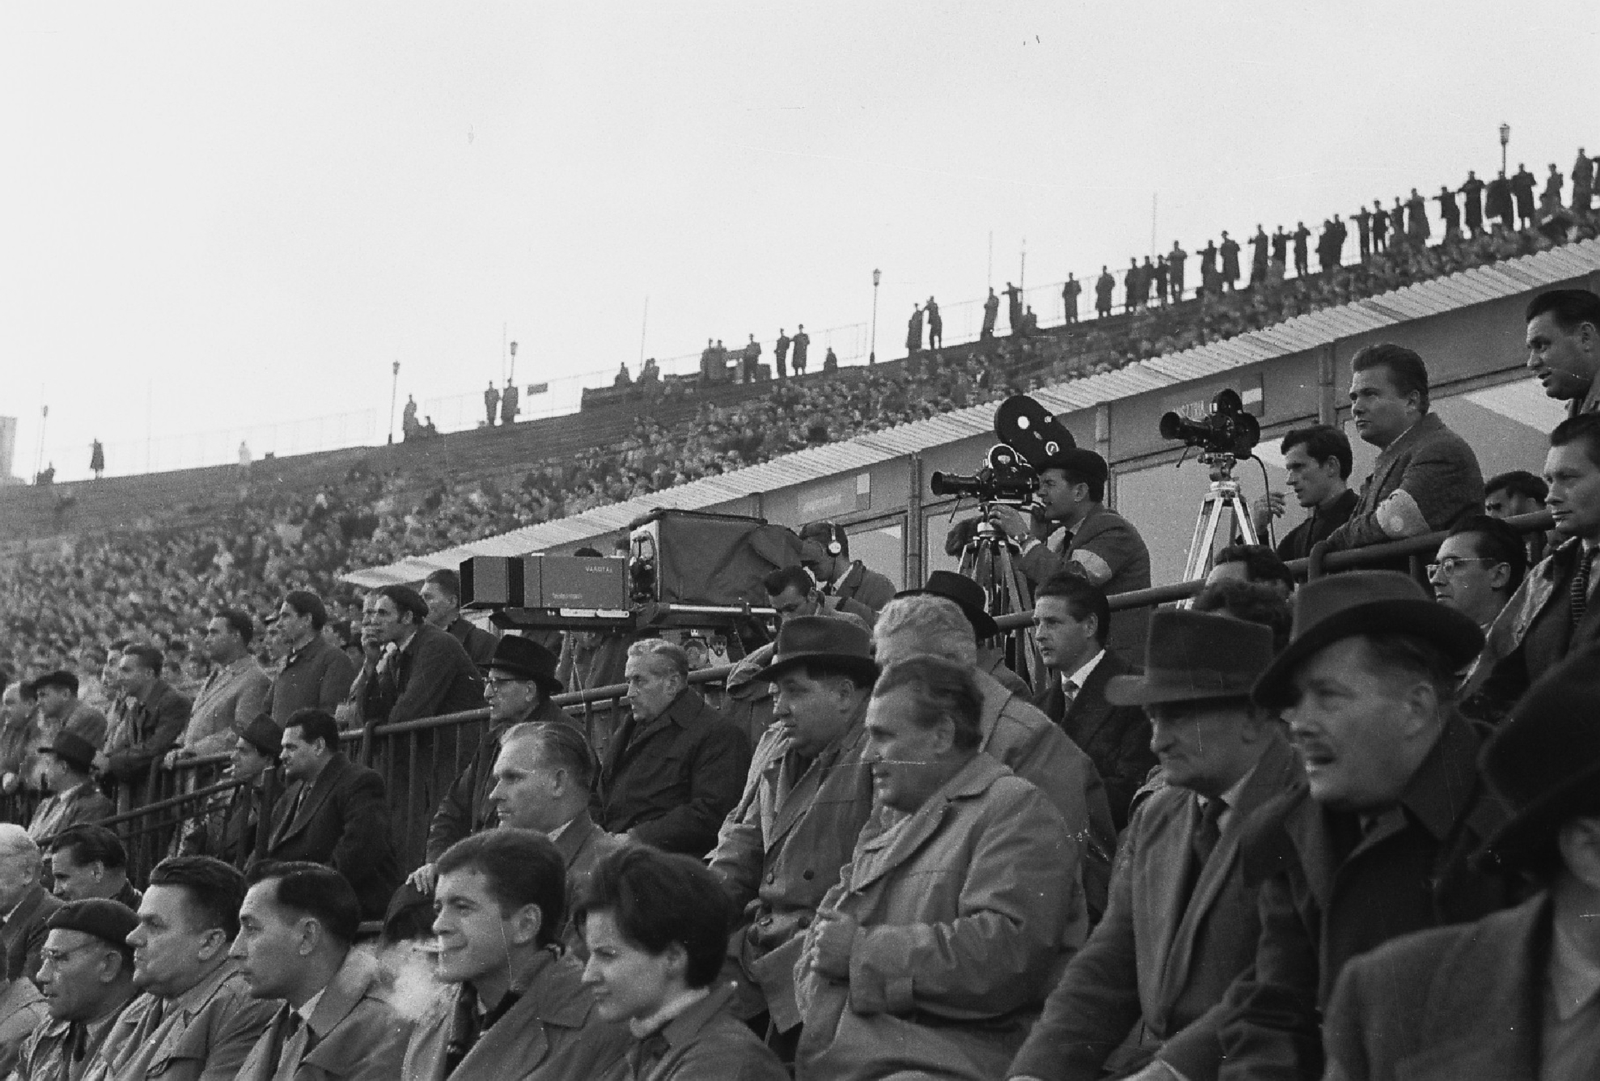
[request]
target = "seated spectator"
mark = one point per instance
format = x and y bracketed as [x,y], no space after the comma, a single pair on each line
[60,708]
[1512,994]
[195,1011]
[88,862]
[19,736]
[1071,619]
[1478,567]
[676,767]
[971,599]
[1182,921]
[146,722]
[87,977]
[937,945]
[315,674]
[232,695]
[25,903]
[334,812]
[228,825]
[1425,477]
[793,592]
[74,796]
[511,995]
[1508,495]
[1014,733]
[295,949]
[1563,338]
[1318,461]
[1392,810]
[22,1009]
[1251,563]
[442,591]
[806,797]
[656,928]
[1253,602]
[828,559]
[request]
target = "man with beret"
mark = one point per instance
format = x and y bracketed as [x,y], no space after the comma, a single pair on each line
[228,826]
[1181,924]
[1377,842]
[74,796]
[87,979]
[1516,994]
[1095,542]
[807,795]
[827,556]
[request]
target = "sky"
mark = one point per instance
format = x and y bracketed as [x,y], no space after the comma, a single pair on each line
[228,221]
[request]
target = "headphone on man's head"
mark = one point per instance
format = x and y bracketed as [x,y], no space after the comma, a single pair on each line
[835,539]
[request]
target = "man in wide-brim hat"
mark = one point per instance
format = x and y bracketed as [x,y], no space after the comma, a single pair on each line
[1181,923]
[806,798]
[1516,994]
[1378,842]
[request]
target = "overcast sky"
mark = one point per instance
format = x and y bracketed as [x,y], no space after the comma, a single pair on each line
[219,216]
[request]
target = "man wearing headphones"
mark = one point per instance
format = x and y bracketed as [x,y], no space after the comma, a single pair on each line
[825,553]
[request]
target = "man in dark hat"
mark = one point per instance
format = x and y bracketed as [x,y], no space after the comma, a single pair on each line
[1377,843]
[522,677]
[1514,994]
[807,795]
[828,557]
[969,596]
[74,796]
[87,979]
[1093,541]
[59,705]
[228,826]
[1182,923]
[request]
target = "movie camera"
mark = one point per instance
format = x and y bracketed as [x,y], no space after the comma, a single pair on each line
[1029,435]
[1226,429]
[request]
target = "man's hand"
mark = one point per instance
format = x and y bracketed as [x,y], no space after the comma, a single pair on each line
[833,936]
[1019,527]
[424,878]
[1269,508]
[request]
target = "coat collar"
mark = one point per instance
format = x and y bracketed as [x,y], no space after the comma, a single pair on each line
[887,849]
[846,750]
[358,976]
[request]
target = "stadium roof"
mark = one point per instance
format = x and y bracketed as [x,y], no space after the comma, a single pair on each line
[1434,297]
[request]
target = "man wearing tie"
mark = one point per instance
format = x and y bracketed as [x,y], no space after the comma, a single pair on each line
[296,929]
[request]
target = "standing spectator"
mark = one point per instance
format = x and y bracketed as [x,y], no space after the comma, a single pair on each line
[1472,203]
[1071,290]
[1130,286]
[228,824]
[836,573]
[708,363]
[146,722]
[1103,287]
[1582,182]
[1392,812]
[802,340]
[1341,233]
[90,861]
[74,796]
[408,418]
[61,710]
[1380,227]
[88,975]
[195,1018]
[830,362]
[1478,567]
[622,381]
[1175,261]
[1318,461]
[1448,212]
[244,457]
[939,940]
[1280,247]
[491,403]
[1014,306]
[1230,261]
[1161,275]
[315,675]
[233,694]
[1497,201]
[1208,269]
[935,324]
[1147,276]
[334,812]
[914,331]
[1417,211]
[1259,245]
[1397,221]
[1426,476]
[1363,219]
[1522,185]
[752,359]
[657,929]
[1550,199]
[675,768]
[1563,339]
[1301,235]
[25,903]
[991,311]
[508,404]
[428,673]
[97,459]
[780,353]
[1325,246]
[442,591]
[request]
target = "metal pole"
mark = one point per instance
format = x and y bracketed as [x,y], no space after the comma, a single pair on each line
[1505,137]
[511,377]
[394,392]
[872,352]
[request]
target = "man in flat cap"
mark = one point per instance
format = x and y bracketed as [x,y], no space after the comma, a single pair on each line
[1378,841]
[1181,924]
[1093,541]
[807,795]
[87,979]
[1515,994]
[74,796]
[227,829]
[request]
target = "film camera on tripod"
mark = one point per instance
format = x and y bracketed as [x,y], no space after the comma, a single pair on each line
[1224,435]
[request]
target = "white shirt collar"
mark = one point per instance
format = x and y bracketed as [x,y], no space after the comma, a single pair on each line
[1081,676]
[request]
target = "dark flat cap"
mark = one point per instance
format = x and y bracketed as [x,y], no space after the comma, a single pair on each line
[109,921]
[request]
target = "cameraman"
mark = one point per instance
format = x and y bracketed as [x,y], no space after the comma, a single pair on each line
[1068,529]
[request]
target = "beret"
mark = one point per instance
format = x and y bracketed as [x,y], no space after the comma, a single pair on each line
[110,921]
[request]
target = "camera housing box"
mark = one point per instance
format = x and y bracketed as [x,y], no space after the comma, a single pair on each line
[587,582]
[491,582]
[688,558]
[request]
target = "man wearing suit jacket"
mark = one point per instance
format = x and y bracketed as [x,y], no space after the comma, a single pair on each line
[333,812]
[1070,622]
[146,721]
[1426,477]
[1514,994]
[1181,924]
[23,902]
[442,591]
[806,798]
[1097,543]
[297,927]
[315,674]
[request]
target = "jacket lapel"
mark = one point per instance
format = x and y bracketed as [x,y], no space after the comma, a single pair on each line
[1092,694]
[876,856]
[321,789]
[833,763]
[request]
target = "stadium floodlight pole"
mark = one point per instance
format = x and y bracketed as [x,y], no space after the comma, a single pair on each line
[512,378]
[1505,138]
[872,350]
[394,393]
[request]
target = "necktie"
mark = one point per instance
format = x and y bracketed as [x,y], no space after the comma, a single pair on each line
[1580,585]
[1069,691]
[296,1042]
[1205,838]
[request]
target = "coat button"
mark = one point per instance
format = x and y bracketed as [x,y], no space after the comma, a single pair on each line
[809,874]
[772,876]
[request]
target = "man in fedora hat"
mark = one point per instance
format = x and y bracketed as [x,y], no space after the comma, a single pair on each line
[1515,994]
[74,796]
[807,795]
[1376,844]
[227,826]
[1095,542]
[521,680]
[1181,924]
[969,596]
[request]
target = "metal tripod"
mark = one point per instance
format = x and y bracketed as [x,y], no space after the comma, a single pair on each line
[1222,498]
[988,560]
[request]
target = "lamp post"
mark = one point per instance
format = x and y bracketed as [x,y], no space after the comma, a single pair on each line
[1505,137]
[394,392]
[512,378]
[872,353]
